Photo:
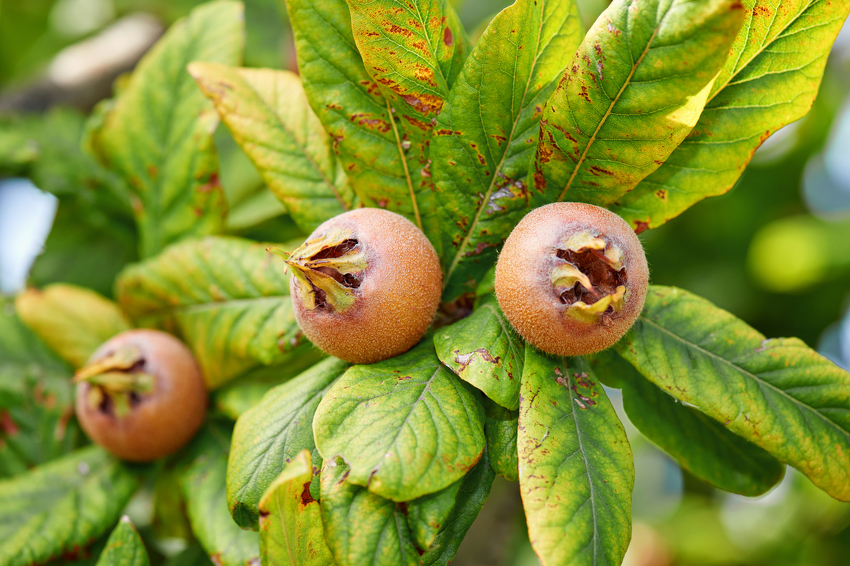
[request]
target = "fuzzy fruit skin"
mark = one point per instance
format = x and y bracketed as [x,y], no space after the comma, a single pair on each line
[165,419]
[398,295]
[524,289]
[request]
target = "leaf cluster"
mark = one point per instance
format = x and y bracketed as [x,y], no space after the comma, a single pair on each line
[659,104]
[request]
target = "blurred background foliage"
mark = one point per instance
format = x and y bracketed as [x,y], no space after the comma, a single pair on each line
[775,252]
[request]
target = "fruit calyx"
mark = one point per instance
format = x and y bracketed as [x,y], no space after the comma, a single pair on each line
[327,270]
[590,278]
[117,381]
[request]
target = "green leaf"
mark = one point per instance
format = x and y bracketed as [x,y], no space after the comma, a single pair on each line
[500,428]
[351,108]
[426,515]
[290,519]
[203,485]
[240,398]
[124,547]
[699,443]
[406,426]
[72,320]
[413,51]
[770,79]
[485,352]
[35,429]
[270,435]
[158,132]
[74,229]
[228,298]
[26,362]
[487,131]
[42,514]
[60,167]
[361,527]
[778,394]
[268,115]
[246,392]
[576,472]
[635,88]
[36,399]
[474,490]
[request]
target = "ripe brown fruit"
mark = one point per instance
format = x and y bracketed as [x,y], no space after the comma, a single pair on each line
[365,285]
[572,278]
[141,395]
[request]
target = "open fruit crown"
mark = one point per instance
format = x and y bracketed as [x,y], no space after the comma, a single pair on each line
[591,278]
[656,106]
[328,269]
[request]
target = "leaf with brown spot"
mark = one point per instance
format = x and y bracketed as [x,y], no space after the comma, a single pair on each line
[404,49]
[361,527]
[402,438]
[779,394]
[124,547]
[228,298]
[291,532]
[63,505]
[576,471]
[267,113]
[72,320]
[633,96]
[364,133]
[158,132]
[202,485]
[483,350]
[770,79]
[271,434]
[482,153]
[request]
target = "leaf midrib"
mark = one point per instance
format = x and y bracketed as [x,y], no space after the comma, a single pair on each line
[762,48]
[748,373]
[614,101]
[586,463]
[404,165]
[296,141]
[195,307]
[486,200]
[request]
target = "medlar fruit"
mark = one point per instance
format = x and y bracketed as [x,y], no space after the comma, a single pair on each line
[365,285]
[572,278]
[141,395]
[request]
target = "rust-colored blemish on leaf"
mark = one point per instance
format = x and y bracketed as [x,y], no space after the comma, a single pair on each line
[463,360]
[596,170]
[421,46]
[211,185]
[371,88]
[306,498]
[479,248]
[424,103]
[641,226]
[584,94]
[448,38]
[152,171]
[661,193]
[424,126]
[45,400]
[424,73]
[371,123]
[499,139]
[396,29]
[8,426]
